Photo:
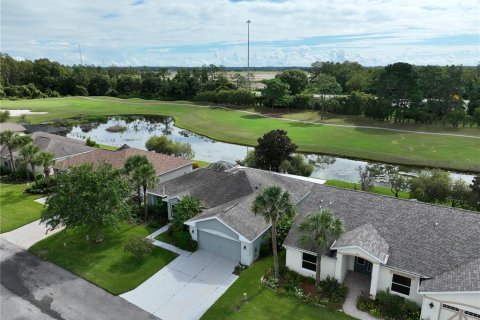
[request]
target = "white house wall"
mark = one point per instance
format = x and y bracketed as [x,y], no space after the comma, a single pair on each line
[294,262]
[463,301]
[385,283]
[175,173]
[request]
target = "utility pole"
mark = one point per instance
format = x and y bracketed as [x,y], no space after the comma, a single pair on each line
[248,53]
[80,53]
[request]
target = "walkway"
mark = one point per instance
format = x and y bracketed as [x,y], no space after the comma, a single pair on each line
[29,234]
[357,283]
[165,245]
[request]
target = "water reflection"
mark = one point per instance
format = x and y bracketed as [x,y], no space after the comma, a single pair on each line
[139,129]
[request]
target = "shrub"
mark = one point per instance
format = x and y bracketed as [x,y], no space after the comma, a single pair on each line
[139,246]
[333,290]
[272,282]
[392,306]
[183,240]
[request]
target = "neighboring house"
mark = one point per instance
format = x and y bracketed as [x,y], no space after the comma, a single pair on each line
[227,226]
[32,128]
[6,126]
[61,147]
[426,253]
[166,167]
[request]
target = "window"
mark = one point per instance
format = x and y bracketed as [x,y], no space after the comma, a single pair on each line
[401,284]
[309,262]
[455,309]
[360,261]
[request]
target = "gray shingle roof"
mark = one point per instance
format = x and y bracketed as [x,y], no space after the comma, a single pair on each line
[58,145]
[367,238]
[423,238]
[462,278]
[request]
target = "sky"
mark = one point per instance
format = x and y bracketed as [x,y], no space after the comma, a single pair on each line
[282,33]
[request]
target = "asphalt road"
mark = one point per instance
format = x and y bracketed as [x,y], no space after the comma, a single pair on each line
[32,288]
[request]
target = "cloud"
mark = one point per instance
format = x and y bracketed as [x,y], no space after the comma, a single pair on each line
[297,32]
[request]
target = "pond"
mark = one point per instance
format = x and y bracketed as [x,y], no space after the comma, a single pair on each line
[135,131]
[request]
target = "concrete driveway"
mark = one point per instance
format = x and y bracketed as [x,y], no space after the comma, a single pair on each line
[29,234]
[185,288]
[32,288]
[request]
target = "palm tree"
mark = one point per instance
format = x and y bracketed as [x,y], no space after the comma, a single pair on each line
[146,177]
[273,203]
[29,154]
[318,229]
[46,160]
[187,208]
[130,165]
[13,141]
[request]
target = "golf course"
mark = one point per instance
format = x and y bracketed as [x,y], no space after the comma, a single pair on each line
[449,149]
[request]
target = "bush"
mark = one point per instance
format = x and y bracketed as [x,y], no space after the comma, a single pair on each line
[184,241]
[139,246]
[395,307]
[4,171]
[333,290]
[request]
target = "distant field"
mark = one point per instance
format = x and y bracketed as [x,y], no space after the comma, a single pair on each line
[457,153]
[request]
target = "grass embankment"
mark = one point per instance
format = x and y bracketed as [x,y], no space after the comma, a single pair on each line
[264,303]
[105,264]
[376,189]
[17,208]
[450,152]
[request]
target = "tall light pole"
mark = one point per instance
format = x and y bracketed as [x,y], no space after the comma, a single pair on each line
[248,52]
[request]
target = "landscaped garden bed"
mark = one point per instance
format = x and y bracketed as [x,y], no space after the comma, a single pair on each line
[389,307]
[179,239]
[329,293]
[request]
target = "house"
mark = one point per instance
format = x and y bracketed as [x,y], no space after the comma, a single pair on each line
[15,127]
[426,253]
[61,147]
[166,167]
[227,226]
[32,128]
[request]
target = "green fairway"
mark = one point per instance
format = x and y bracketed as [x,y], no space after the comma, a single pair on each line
[17,208]
[105,264]
[264,303]
[376,189]
[450,152]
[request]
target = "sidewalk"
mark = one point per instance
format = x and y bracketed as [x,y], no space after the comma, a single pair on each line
[26,236]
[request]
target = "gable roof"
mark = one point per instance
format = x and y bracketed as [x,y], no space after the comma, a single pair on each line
[367,238]
[463,278]
[230,197]
[60,146]
[423,238]
[161,162]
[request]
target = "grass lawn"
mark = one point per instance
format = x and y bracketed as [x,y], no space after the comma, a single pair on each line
[450,152]
[105,264]
[376,189]
[264,303]
[107,147]
[202,164]
[165,237]
[17,208]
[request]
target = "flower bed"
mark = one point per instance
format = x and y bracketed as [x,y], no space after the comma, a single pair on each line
[330,293]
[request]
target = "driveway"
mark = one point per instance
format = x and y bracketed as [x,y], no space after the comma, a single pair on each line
[32,288]
[186,287]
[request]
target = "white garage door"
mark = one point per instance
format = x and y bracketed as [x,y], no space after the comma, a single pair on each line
[219,245]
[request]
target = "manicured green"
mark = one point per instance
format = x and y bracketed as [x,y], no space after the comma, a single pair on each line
[165,237]
[107,147]
[17,208]
[264,303]
[376,189]
[105,264]
[201,163]
[460,153]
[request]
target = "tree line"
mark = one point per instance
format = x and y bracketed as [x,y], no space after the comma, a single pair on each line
[399,92]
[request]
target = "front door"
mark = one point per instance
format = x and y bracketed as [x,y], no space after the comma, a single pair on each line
[362,265]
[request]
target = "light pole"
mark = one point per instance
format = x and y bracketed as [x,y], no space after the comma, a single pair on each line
[248,53]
